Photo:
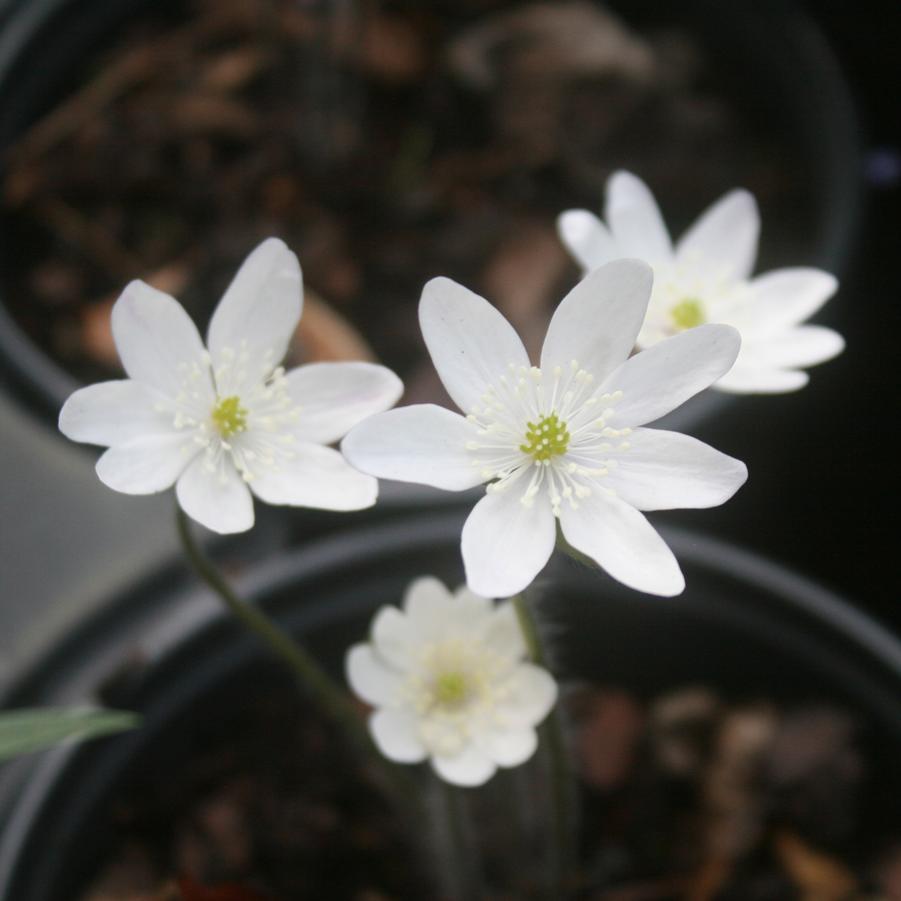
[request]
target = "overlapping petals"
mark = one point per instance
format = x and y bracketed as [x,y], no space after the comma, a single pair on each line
[555,442]
[706,277]
[226,423]
[448,679]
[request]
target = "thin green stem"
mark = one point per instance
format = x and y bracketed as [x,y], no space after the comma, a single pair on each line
[566,548]
[463,861]
[321,688]
[551,732]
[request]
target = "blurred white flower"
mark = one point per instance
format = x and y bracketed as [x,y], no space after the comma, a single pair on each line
[449,682]
[559,440]
[222,422]
[706,277]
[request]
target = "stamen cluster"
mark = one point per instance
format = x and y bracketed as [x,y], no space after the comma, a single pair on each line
[554,429]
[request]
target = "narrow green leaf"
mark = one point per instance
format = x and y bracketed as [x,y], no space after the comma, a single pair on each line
[32,729]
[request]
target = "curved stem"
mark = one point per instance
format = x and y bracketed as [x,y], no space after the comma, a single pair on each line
[321,688]
[551,731]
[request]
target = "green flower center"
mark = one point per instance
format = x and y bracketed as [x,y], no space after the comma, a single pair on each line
[450,689]
[545,439]
[229,417]
[688,313]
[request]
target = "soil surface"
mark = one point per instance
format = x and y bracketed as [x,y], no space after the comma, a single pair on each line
[386,143]
[681,796]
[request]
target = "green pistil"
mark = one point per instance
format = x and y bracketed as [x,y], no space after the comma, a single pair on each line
[229,417]
[450,689]
[548,438]
[687,313]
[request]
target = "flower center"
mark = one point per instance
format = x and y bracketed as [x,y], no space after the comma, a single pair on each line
[450,690]
[229,417]
[687,313]
[545,439]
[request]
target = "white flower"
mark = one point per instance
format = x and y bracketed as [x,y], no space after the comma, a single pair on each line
[706,278]
[559,440]
[448,678]
[223,422]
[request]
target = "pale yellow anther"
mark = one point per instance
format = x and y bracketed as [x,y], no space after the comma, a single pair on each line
[229,417]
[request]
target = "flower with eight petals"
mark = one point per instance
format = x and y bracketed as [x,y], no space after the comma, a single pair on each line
[224,422]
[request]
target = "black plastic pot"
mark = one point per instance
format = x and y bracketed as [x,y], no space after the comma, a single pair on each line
[769,53]
[746,627]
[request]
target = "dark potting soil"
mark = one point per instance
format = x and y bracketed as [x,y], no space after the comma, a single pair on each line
[253,797]
[682,796]
[386,143]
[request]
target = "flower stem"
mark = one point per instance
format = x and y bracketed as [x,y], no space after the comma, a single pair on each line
[464,862]
[551,731]
[566,548]
[314,681]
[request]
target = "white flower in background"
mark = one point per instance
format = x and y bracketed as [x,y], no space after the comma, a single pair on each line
[560,440]
[706,277]
[223,422]
[449,682]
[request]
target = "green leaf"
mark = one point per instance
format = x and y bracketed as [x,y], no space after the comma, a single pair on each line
[32,729]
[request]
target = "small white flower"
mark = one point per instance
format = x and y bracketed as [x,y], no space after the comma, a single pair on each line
[559,440]
[706,277]
[222,422]
[449,681]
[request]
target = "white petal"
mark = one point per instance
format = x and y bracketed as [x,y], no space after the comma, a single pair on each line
[393,636]
[260,308]
[468,768]
[334,397]
[113,413]
[586,238]
[507,747]
[157,341]
[469,616]
[470,342]
[531,693]
[622,542]
[314,476]
[395,733]
[427,603]
[370,677]
[665,471]
[664,376]
[726,234]
[783,298]
[598,321]
[506,544]
[634,219]
[472,606]
[423,443]
[146,465]
[218,500]
[806,345]
[757,380]
[504,634]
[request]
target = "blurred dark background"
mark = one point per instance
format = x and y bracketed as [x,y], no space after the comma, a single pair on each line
[824,485]
[823,461]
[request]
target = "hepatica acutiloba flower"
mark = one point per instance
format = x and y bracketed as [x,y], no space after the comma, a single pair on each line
[225,421]
[561,440]
[706,277]
[449,681]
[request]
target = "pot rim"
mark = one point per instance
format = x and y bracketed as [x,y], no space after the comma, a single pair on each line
[33,781]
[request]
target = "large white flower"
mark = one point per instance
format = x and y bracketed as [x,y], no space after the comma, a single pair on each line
[559,440]
[449,681]
[706,277]
[221,422]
